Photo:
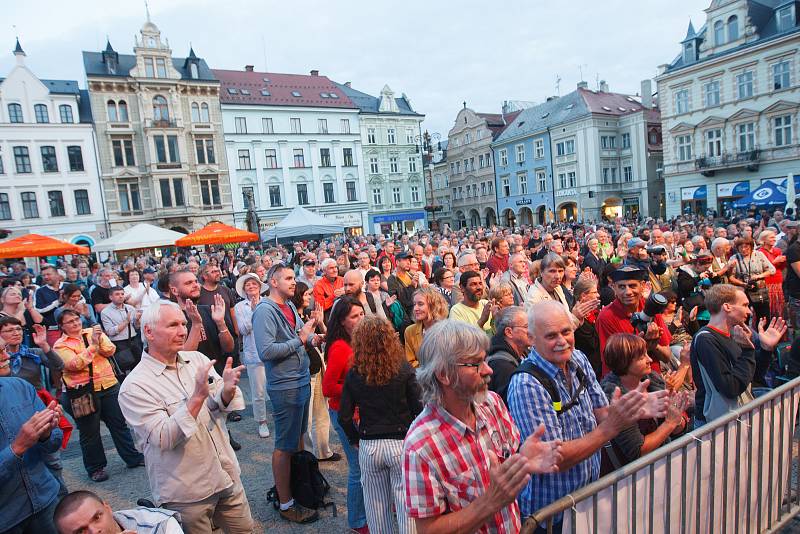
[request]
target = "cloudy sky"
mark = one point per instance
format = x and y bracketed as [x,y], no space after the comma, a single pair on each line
[439,53]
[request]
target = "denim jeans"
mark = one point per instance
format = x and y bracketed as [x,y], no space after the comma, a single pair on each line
[108,411]
[356,515]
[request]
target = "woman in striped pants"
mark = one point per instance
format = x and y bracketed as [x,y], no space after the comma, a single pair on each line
[382,385]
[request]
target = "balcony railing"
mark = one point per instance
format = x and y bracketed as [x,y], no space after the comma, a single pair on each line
[708,164]
[152,123]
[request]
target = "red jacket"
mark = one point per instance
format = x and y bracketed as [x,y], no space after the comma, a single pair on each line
[340,359]
[497,263]
[323,291]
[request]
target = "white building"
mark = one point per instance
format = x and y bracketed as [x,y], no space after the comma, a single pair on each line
[729,105]
[49,182]
[391,140]
[292,140]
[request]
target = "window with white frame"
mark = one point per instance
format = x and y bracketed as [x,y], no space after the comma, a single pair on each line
[129,199]
[488,159]
[302,194]
[747,136]
[22,159]
[244,160]
[266,125]
[347,157]
[786,18]
[455,194]
[414,193]
[344,126]
[377,196]
[373,165]
[783,130]
[627,173]
[780,75]
[327,193]
[82,205]
[394,167]
[324,157]
[719,33]
[209,191]
[467,138]
[483,188]
[733,28]
[503,157]
[565,148]
[322,126]
[714,142]
[506,187]
[56,201]
[299,157]
[122,149]
[204,148]
[396,196]
[371,136]
[204,112]
[522,182]
[5,207]
[626,140]
[271,158]
[480,161]
[294,125]
[572,179]
[391,137]
[538,149]
[541,181]
[520,153]
[744,85]
[684,147]
[240,124]
[682,101]
[65,111]
[40,112]
[608,142]
[409,136]
[171,192]
[30,208]
[350,188]
[562,180]
[275,196]
[711,93]
[412,164]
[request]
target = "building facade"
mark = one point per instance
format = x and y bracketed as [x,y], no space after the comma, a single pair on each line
[588,155]
[471,167]
[49,181]
[293,140]
[437,186]
[391,141]
[159,127]
[730,104]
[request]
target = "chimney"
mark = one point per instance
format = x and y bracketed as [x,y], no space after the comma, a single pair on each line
[315,72]
[347,84]
[248,68]
[603,86]
[647,94]
[583,85]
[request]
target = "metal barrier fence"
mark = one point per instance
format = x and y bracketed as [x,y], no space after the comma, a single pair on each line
[737,474]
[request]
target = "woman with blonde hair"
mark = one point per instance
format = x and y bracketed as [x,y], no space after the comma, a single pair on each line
[384,389]
[429,307]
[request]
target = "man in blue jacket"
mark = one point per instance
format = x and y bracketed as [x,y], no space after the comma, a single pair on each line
[28,431]
[280,341]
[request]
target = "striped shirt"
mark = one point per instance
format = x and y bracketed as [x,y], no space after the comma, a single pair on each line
[445,464]
[531,405]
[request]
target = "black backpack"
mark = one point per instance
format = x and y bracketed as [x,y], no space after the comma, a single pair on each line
[309,487]
[550,387]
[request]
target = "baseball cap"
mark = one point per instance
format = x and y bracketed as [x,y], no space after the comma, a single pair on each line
[636,242]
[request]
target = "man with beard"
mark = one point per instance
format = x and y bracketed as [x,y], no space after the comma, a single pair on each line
[474,309]
[212,275]
[465,424]
[402,285]
[723,355]
[508,347]
[556,389]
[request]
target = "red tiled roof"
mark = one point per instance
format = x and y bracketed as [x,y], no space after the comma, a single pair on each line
[497,122]
[609,103]
[280,88]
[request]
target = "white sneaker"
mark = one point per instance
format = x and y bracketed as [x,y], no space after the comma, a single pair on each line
[263,430]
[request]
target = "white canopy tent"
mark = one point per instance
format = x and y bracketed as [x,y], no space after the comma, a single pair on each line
[140,236]
[302,222]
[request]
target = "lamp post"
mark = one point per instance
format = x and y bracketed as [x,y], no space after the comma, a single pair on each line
[427,140]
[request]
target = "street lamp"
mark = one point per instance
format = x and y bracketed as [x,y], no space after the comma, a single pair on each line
[427,140]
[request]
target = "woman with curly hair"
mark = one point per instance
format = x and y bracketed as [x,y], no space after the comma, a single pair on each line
[384,389]
[429,307]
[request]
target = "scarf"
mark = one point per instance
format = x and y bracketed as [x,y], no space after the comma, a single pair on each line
[23,352]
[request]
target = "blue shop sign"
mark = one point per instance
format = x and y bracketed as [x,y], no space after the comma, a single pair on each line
[395,217]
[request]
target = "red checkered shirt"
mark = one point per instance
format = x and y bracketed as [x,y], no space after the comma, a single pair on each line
[445,464]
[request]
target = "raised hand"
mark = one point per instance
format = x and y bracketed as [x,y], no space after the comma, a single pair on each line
[307,330]
[192,312]
[201,380]
[96,333]
[582,309]
[693,313]
[772,335]
[743,336]
[542,456]
[230,377]
[218,309]
[506,480]
[656,402]
[40,337]
[29,301]
[625,410]
[675,408]
[34,429]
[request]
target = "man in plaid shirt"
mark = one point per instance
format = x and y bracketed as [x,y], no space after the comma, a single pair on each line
[586,421]
[463,463]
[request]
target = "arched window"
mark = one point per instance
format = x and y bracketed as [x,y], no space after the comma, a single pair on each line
[14,113]
[111,106]
[160,108]
[40,110]
[193,71]
[195,112]
[204,117]
[719,33]
[123,111]
[733,28]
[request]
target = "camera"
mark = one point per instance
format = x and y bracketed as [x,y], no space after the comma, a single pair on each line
[656,250]
[656,303]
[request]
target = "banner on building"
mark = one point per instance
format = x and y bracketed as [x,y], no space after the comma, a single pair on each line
[699,192]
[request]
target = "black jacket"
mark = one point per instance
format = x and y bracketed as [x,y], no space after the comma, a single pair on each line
[504,361]
[386,412]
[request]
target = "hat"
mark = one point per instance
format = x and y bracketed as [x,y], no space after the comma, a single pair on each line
[636,242]
[628,272]
[402,255]
[791,224]
[149,270]
[244,278]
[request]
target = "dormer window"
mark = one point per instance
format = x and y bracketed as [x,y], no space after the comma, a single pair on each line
[719,33]
[193,71]
[688,53]
[296,94]
[733,28]
[785,18]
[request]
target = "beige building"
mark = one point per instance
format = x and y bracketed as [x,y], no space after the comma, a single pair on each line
[159,135]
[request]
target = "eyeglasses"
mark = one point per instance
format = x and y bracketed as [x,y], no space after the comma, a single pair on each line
[519,326]
[474,365]
[309,263]
[11,330]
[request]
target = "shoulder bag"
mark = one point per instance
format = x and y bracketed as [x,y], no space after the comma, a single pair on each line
[82,398]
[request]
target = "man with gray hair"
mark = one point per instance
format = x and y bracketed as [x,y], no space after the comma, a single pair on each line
[508,347]
[463,463]
[176,405]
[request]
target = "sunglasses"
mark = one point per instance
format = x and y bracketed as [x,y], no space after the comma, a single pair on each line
[308,263]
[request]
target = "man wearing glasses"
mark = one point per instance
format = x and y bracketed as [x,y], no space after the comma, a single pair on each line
[464,462]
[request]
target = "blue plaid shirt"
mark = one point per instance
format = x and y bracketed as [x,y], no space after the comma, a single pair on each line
[530,405]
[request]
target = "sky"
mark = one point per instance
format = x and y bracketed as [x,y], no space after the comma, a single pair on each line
[439,54]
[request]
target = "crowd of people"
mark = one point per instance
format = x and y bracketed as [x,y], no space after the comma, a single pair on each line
[471,376]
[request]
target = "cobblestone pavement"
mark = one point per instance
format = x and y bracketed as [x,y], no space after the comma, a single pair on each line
[125,485]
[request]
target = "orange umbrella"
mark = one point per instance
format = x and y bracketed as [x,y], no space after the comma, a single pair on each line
[217,234]
[35,245]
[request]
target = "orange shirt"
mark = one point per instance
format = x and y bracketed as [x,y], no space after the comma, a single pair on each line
[323,291]
[77,357]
